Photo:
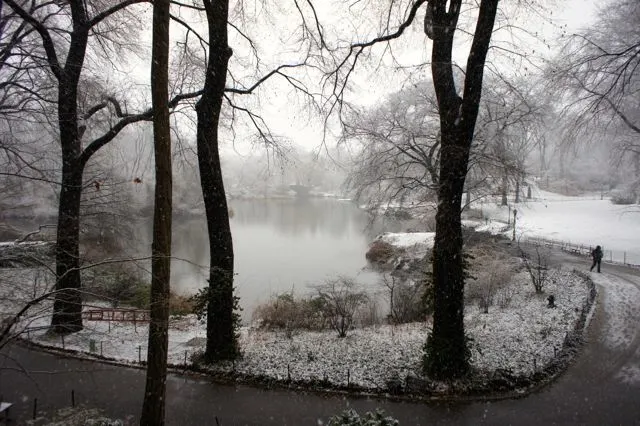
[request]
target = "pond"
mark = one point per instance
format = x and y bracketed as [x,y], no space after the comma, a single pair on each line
[280,245]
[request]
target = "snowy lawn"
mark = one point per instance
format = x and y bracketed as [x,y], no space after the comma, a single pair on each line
[578,220]
[520,334]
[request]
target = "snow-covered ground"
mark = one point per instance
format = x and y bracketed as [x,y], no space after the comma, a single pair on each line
[520,334]
[408,239]
[579,220]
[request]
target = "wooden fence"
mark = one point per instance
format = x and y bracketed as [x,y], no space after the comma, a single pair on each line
[116,314]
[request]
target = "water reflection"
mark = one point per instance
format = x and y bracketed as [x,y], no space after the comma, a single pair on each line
[279,245]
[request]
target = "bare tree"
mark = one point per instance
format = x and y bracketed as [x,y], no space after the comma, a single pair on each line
[400,147]
[397,156]
[64,59]
[597,71]
[447,354]
[214,58]
[509,124]
[155,389]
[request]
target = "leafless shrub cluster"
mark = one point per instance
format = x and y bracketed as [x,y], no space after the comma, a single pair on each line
[490,273]
[405,299]
[338,304]
[342,298]
[288,313]
[537,265]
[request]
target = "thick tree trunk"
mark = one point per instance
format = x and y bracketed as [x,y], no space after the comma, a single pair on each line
[153,408]
[447,352]
[67,306]
[221,337]
[448,343]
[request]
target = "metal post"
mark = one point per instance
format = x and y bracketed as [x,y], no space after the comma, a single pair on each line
[73,398]
[35,407]
[139,354]
[515,212]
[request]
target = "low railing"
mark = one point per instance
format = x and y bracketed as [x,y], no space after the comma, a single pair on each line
[610,256]
[116,314]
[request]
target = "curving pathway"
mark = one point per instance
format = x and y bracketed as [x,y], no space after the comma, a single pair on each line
[602,387]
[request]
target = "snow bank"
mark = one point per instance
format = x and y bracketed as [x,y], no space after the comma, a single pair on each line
[408,239]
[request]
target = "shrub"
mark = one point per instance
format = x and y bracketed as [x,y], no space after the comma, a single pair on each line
[341,299]
[200,303]
[489,272]
[380,252]
[120,283]
[229,348]
[432,360]
[537,267]
[141,297]
[406,299]
[623,197]
[351,417]
[180,305]
[285,312]
[369,314]
[504,297]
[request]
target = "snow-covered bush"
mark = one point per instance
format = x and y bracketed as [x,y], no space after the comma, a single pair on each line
[351,417]
[380,252]
[623,197]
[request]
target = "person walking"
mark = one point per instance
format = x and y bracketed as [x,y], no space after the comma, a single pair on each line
[596,254]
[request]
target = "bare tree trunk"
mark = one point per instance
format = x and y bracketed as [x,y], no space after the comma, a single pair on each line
[67,306]
[505,187]
[446,354]
[153,408]
[221,337]
[517,200]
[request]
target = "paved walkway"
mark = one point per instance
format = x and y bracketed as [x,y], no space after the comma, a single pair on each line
[589,393]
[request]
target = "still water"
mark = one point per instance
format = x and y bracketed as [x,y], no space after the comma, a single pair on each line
[279,245]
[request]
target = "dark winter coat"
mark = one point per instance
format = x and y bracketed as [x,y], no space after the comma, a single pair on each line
[597,254]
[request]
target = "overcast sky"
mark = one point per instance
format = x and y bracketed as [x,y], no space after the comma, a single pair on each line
[285,112]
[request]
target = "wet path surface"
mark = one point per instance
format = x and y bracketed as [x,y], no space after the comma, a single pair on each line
[602,387]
